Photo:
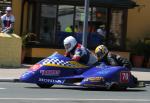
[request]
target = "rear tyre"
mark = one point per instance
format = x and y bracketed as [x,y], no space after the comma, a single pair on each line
[123,88]
[114,87]
[45,85]
[117,87]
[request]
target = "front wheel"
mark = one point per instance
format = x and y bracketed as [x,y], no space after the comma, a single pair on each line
[45,85]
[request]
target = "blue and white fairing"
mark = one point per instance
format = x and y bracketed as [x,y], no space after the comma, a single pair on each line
[60,70]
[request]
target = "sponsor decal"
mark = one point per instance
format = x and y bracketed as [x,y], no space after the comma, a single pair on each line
[94,79]
[35,67]
[50,72]
[51,80]
[124,76]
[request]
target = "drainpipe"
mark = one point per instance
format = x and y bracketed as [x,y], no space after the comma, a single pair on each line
[108,26]
[22,15]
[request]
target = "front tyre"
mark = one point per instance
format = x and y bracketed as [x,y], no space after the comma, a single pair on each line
[45,85]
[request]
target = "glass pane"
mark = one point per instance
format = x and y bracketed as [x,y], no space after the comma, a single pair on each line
[65,23]
[79,18]
[47,24]
[66,26]
[96,19]
[65,16]
[116,28]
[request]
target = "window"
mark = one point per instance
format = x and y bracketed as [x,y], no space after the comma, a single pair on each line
[47,24]
[42,22]
[70,22]
[64,23]
[116,29]
[97,18]
[65,16]
[54,23]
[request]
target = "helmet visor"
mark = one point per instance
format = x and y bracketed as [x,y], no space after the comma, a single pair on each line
[67,46]
[100,55]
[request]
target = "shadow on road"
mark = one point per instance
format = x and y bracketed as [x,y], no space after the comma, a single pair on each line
[141,69]
[90,89]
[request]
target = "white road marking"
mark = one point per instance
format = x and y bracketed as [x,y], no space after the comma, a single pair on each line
[75,99]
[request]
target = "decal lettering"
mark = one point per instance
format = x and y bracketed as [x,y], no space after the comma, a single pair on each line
[50,72]
[124,77]
[51,80]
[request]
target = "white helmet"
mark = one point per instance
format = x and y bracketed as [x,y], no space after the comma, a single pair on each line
[69,43]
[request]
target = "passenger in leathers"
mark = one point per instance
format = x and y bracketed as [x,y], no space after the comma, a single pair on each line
[109,58]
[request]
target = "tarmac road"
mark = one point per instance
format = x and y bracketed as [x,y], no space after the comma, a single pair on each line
[13,92]
[30,93]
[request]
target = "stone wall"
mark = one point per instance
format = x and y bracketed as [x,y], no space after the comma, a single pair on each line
[10,50]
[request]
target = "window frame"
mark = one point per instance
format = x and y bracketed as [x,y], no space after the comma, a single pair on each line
[123,34]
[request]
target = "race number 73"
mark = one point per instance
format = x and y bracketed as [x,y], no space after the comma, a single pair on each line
[124,77]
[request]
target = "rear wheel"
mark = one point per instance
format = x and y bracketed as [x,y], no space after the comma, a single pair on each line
[117,87]
[114,87]
[45,85]
[123,88]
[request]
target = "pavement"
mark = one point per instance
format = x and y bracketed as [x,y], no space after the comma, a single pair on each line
[13,74]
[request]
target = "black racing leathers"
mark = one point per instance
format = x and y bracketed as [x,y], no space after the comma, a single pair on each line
[116,60]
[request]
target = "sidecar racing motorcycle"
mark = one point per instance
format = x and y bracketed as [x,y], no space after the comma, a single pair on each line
[60,70]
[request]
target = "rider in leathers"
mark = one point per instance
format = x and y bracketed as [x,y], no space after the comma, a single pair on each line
[78,52]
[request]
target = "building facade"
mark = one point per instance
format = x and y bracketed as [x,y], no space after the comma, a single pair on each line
[49,20]
[138,21]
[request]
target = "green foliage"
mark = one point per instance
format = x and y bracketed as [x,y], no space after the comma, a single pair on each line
[147,49]
[26,38]
[140,48]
